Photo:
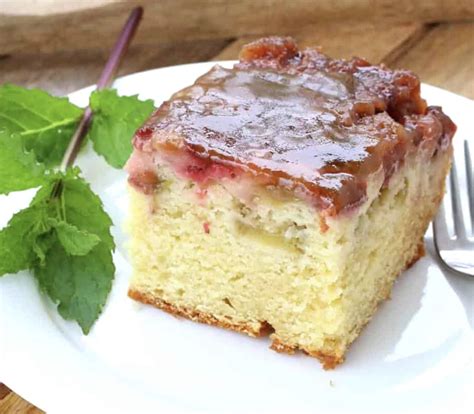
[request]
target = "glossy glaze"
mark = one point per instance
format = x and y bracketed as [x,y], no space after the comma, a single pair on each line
[299,119]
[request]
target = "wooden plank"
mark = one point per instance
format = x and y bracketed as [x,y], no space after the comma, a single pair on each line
[65,71]
[445,58]
[442,55]
[4,391]
[11,403]
[371,41]
[169,20]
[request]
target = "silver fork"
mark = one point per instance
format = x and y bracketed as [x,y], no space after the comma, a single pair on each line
[455,248]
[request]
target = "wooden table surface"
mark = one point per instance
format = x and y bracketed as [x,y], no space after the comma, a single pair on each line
[441,54]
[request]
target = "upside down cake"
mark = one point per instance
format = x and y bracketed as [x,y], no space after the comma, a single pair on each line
[284,196]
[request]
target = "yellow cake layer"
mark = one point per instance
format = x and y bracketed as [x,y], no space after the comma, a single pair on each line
[261,260]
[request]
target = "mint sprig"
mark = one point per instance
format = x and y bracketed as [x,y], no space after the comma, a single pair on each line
[63,236]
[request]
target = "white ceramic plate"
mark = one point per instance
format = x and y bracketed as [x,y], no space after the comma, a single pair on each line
[415,355]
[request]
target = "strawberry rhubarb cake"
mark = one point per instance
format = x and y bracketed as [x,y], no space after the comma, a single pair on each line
[285,195]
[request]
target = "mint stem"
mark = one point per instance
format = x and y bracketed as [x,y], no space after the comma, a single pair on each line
[106,78]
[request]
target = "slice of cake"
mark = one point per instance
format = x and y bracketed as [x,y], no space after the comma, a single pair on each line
[285,195]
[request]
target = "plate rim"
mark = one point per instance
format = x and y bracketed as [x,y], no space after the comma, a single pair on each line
[27,391]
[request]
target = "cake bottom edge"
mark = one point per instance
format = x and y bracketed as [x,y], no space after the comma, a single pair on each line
[328,360]
[198,316]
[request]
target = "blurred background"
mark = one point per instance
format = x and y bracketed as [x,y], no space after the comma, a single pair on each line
[62,46]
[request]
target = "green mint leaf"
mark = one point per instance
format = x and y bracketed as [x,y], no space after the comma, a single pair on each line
[74,241]
[116,118]
[64,237]
[78,269]
[79,284]
[44,122]
[18,240]
[84,209]
[19,169]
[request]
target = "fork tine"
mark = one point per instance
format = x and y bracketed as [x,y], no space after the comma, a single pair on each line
[440,228]
[470,181]
[459,229]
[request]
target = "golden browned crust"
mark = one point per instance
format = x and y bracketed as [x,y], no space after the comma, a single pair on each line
[281,347]
[419,254]
[329,361]
[263,330]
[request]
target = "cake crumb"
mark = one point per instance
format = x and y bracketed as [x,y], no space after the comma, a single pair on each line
[207,227]
[201,193]
[331,383]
